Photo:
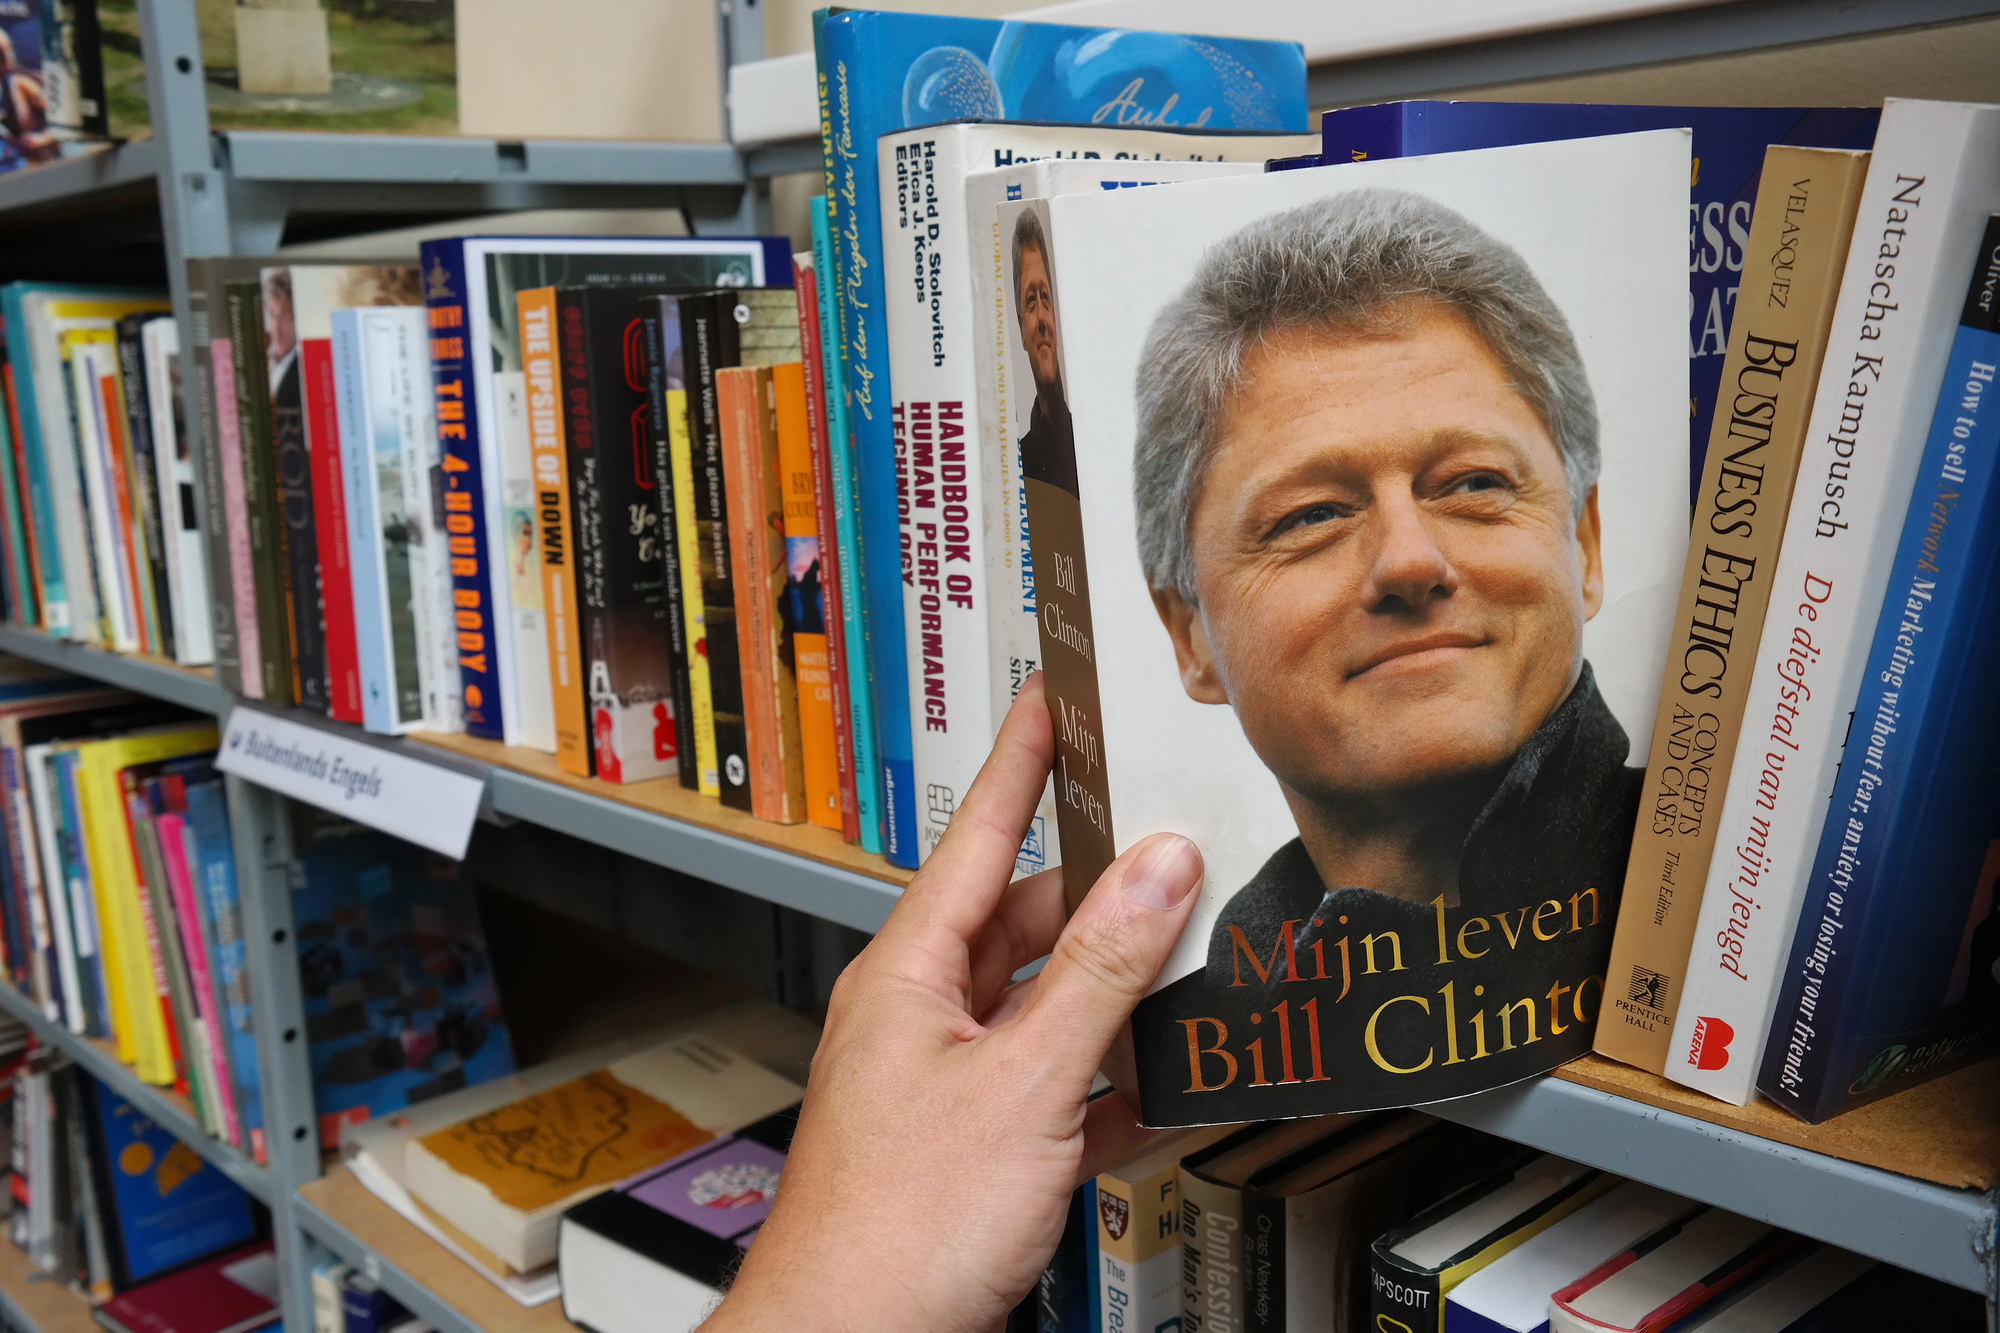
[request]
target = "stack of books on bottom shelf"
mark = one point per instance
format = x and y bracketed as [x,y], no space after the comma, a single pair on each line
[105,1201]
[120,915]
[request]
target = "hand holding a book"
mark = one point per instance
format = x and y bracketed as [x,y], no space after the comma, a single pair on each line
[948,1118]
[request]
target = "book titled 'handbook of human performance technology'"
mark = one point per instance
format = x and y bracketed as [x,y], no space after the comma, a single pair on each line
[1357,519]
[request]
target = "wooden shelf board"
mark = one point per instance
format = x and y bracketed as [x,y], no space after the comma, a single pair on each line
[1946,1131]
[45,1303]
[668,799]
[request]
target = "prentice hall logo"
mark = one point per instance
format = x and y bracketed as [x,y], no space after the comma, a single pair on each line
[1709,1048]
[1116,1213]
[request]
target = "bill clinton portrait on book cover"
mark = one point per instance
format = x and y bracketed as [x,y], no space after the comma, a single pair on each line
[1394,487]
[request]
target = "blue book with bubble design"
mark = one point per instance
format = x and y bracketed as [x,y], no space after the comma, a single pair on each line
[880,72]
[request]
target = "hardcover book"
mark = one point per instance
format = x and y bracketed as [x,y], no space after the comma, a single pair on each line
[470,285]
[882,72]
[1797,248]
[1363,583]
[249,424]
[293,503]
[183,544]
[1729,150]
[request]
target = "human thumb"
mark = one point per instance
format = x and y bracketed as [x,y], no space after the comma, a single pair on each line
[1110,952]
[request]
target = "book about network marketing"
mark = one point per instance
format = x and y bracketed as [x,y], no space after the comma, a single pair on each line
[1357,507]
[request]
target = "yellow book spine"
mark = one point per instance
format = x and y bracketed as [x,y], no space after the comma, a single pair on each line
[818,748]
[697,634]
[137,1009]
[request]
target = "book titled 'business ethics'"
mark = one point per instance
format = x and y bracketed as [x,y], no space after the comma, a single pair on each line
[1363,583]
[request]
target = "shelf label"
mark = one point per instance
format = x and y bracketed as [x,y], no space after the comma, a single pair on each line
[424,803]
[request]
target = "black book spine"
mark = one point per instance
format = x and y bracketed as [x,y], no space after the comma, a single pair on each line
[291,478]
[266,531]
[586,501]
[665,377]
[207,442]
[628,668]
[145,468]
[1263,1243]
[709,334]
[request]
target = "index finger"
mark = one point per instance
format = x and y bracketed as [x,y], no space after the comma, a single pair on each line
[961,884]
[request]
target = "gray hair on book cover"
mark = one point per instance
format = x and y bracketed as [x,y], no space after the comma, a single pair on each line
[1349,263]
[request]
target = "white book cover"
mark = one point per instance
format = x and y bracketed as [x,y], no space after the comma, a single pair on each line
[173,469]
[91,356]
[1014,649]
[498,267]
[402,345]
[937,253]
[368,407]
[68,899]
[1358,513]
[1933,181]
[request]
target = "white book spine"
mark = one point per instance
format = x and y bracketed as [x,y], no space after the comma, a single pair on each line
[37,887]
[506,661]
[430,562]
[72,947]
[366,539]
[88,363]
[173,467]
[1932,182]
[522,569]
[926,251]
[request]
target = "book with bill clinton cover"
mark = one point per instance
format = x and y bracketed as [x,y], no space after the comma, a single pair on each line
[1356,524]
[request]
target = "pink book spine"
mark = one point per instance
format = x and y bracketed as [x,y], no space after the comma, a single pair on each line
[180,883]
[243,585]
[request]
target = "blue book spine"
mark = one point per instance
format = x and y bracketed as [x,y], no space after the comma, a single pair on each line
[856,122]
[1890,975]
[1729,145]
[20,590]
[82,896]
[214,860]
[887,72]
[364,528]
[41,506]
[847,532]
[463,485]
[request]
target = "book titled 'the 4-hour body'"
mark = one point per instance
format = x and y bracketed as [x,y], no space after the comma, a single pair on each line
[1357,521]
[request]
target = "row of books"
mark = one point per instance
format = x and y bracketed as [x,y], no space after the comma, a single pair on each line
[109,1203]
[1006,312]
[122,918]
[1390,1220]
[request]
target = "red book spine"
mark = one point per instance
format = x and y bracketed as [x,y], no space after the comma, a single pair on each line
[343,661]
[806,282]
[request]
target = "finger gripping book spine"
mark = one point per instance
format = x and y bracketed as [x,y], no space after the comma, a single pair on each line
[1798,247]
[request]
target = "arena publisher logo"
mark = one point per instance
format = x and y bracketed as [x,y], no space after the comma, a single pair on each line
[1709,1048]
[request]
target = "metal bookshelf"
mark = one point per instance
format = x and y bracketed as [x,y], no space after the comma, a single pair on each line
[231,193]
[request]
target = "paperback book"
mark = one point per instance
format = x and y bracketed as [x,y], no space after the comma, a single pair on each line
[1327,473]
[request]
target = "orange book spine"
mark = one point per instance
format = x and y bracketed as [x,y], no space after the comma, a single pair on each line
[549,450]
[745,397]
[819,747]
[114,442]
